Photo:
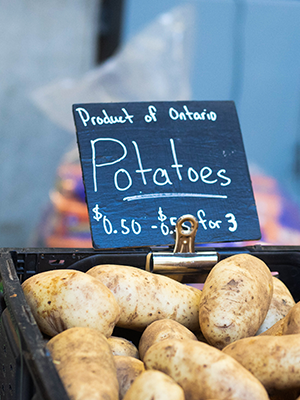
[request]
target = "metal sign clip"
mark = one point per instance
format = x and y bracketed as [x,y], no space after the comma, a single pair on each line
[184,259]
[185,234]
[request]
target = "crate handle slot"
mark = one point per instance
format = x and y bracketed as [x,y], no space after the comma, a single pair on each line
[57,262]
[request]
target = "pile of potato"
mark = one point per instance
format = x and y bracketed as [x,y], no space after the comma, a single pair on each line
[238,338]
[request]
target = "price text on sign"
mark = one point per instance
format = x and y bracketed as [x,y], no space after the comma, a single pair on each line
[146,164]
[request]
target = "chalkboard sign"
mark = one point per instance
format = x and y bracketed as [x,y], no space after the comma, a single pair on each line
[145,164]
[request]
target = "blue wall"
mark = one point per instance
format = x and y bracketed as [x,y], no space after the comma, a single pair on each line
[249,52]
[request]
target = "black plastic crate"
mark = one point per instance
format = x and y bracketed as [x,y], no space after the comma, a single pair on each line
[26,369]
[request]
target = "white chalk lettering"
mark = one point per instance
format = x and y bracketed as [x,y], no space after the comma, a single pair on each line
[141,170]
[84,115]
[191,115]
[152,114]
[204,175]
[175,165]
[214,224]
[220,175]
[132,226]
[173,114]
[116,181]
[200,214]
[164,175]
[192,174]
[188,113]
[232,221]
[94,155]
[105,118]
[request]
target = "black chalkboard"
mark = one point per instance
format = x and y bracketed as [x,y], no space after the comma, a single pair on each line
[145,164]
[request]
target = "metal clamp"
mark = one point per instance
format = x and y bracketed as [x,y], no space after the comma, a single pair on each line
[184,259]
[185,235]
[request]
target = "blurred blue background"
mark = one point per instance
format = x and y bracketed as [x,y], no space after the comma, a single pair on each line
[246,51]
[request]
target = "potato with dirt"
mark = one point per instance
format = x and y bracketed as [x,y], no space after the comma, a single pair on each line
[203,371]
[288,325]
[154,385]
[123,347]
[281,303]
[273,360]
[128,369]
[65,298]
[235,299]
[161,330]
[85,364]
[144,297]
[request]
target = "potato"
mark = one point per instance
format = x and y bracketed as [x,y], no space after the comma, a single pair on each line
[128,369]
[288,325]
[62,299]
[275,330]
[161,330]
[282,301]
[144,297]
[154,385]
[122,347]
[292,321]
[85,364]
[235,299]
[273,360]
[203,371]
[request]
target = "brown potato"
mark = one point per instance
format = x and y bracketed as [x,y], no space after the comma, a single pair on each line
[288,325]
[235,299]
[85,364]
[273,360]
[154,385]
[203,372]
[145,297]
[275,330]
[128,369]
[281,303]
[62,299]
[122,347]
[292,321]
[161,330]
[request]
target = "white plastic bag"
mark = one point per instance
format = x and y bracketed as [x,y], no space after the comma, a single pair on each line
[154,65]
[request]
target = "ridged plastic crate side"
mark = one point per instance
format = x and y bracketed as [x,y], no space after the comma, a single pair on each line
[27,369]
